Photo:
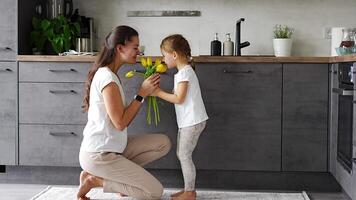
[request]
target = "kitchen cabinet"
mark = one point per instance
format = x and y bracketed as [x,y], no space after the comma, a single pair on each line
[8,30]
[8,82]
[305,117]
[243,102]
[51,120]
[8,113]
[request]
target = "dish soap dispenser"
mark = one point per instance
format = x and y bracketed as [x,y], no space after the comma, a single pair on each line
[215,46]
[228,46]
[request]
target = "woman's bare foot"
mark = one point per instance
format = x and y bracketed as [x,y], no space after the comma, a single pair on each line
[186,195]
[87,184]
[83,176]
[177,193]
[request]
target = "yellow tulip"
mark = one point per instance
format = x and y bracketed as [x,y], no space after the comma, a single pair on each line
[161,68]
[129,74]
[157,62]
[149,61]
[143,62]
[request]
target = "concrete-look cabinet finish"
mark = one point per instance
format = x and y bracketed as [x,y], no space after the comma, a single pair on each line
[8,82]
[305,117]
[243,102]
[256,115]
[8,30]
[8,115]
[51,120]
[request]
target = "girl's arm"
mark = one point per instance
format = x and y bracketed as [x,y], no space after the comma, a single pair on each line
[120,116]
[178,97]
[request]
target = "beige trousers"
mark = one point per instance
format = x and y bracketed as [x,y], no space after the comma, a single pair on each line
[124,172]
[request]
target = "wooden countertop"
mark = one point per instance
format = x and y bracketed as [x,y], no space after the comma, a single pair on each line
[204,59]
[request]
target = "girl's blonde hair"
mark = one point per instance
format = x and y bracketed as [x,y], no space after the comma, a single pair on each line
[178,44]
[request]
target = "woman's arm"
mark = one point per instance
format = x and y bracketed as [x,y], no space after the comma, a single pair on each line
[120,116]
[178,97]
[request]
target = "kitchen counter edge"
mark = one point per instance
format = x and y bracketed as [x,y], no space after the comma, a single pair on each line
[203,59]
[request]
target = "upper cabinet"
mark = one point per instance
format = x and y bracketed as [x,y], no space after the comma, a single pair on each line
[8,30]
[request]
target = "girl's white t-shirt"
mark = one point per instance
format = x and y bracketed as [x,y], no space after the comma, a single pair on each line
[100,135]
[192,110]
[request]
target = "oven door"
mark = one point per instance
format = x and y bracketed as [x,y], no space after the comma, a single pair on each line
[345,120]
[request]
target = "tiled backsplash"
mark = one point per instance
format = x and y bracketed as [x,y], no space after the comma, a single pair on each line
[308,18]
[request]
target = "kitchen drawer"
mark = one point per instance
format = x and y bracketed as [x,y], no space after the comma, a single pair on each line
[51,103]
[50,145]
[53,71]
[7,144]
[8,73]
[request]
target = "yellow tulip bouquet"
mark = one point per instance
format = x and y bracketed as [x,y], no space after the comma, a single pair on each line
[150,69]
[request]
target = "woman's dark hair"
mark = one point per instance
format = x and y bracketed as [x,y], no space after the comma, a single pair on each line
[178,44]
[119,35]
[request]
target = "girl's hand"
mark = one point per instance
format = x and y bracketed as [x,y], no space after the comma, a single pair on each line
[156,92]
[149,85]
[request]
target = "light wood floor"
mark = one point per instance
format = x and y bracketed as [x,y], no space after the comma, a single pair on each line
[26,191]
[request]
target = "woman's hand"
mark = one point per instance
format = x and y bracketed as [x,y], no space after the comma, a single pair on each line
[149,85]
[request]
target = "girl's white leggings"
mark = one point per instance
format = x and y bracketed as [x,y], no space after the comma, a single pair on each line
[186,141]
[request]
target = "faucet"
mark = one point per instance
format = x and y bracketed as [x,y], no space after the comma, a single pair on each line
[238,44]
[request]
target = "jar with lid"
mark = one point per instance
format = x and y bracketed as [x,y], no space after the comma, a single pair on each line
[347,38]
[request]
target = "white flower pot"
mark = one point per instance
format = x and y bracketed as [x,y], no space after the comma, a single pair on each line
[282,47]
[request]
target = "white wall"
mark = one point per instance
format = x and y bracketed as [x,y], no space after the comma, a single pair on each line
[307,17]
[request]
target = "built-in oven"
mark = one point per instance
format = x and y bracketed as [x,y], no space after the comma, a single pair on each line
[345,115]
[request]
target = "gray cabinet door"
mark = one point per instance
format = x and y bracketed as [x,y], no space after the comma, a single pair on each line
[167,125]
[8,30]
[305,117]
[8,108]
[50,145]
[51,103]
[243,102]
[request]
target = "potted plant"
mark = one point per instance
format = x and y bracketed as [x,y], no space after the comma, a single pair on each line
[282,42]
[38,36]
[59,32]
[62,33]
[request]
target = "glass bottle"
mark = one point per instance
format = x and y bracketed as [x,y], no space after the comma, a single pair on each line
[347,38]
[228,46]
[215,46]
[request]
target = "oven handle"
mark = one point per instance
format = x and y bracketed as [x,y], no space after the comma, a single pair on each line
[343,92]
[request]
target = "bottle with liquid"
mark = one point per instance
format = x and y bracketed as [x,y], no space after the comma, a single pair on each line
[347,38]
[215,46]
[228,46]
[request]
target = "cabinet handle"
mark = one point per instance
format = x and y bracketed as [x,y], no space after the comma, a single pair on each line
[7,48]
[62,91]
[343,92]
[62,70]
[237,72]
[6,70]
[62,133]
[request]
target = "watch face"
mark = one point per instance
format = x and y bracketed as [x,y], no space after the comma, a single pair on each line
[139,98]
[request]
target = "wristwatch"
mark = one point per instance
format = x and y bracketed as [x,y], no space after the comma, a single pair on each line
[139,98]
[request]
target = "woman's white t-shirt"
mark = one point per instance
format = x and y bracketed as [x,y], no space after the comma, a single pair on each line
[100,135]
[192,110]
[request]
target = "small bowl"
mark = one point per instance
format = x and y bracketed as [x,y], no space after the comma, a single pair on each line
[341,51]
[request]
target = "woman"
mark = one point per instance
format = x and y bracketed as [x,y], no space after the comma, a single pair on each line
[108,157]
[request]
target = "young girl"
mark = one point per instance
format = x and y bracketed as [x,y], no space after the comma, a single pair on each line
[189,106]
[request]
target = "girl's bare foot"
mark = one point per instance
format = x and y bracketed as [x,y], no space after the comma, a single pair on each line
[186,195]
[87,184]
[177,193]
